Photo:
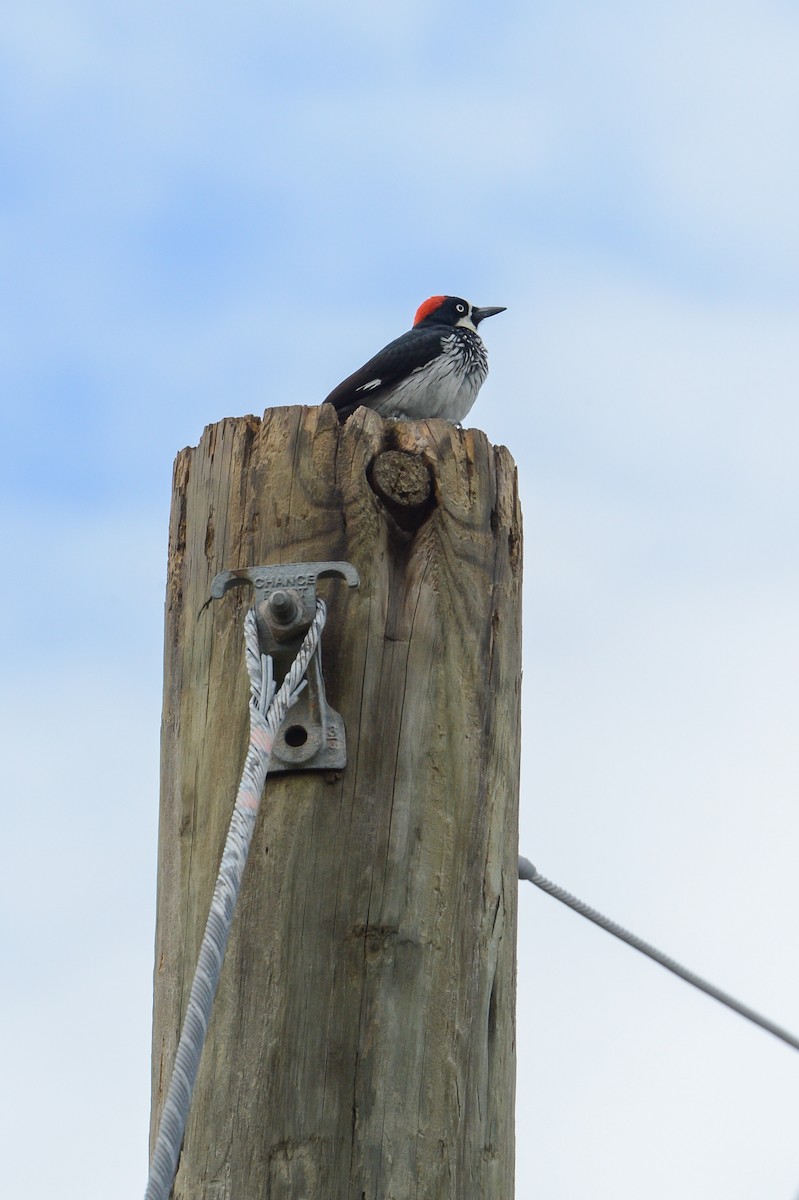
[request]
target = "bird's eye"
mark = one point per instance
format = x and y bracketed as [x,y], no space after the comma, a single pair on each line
[460,307]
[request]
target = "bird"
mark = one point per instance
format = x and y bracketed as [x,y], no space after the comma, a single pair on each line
[435,369]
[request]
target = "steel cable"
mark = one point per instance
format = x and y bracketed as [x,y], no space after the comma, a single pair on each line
[267,710]
[529,872]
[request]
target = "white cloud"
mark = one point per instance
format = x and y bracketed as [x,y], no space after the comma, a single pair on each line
[80,784]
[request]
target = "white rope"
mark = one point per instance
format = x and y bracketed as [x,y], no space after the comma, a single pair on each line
[267,710]
[528,871]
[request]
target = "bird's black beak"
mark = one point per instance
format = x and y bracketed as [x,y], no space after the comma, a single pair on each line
[480,314]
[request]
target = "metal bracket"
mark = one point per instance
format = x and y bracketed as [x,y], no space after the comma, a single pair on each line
[312,736]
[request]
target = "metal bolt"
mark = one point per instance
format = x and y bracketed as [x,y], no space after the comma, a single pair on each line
[283,607]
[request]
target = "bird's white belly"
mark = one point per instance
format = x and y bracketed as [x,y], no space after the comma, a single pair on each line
[446,387]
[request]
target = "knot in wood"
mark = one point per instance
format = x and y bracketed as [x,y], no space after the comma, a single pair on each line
[402,481]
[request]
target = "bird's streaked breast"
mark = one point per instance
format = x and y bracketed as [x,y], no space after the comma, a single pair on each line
[445,387]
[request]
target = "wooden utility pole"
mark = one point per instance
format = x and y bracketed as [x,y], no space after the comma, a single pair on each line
[362,1045]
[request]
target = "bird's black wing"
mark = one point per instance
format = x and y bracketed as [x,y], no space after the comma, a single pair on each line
[368,385]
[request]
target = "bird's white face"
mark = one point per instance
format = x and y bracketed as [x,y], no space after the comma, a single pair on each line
[466,320]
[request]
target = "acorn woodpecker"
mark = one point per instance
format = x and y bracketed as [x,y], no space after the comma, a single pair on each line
[435,369]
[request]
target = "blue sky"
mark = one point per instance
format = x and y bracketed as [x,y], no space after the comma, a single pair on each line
[205,211]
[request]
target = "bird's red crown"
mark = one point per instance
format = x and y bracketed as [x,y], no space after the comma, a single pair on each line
[429,306]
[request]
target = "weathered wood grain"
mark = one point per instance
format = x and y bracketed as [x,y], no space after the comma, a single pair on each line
[362,1043]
